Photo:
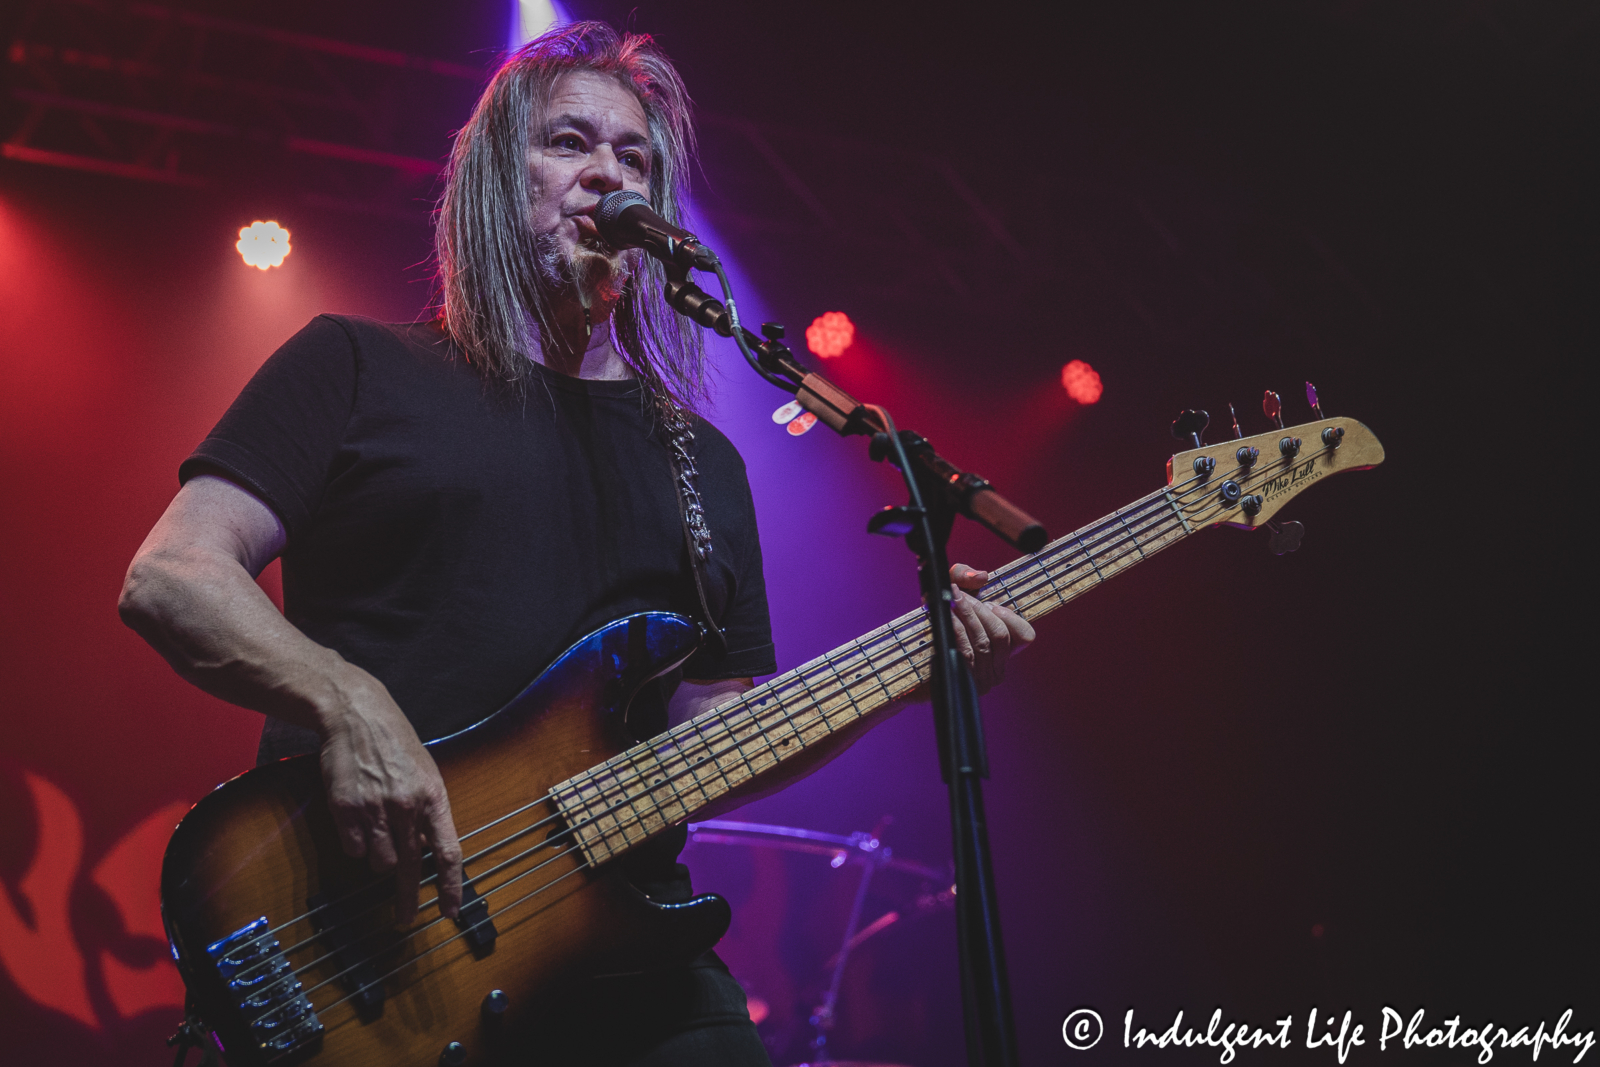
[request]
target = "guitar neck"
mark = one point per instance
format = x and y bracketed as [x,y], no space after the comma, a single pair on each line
[652,786]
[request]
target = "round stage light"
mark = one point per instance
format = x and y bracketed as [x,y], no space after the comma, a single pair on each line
[263,244]
[830,334]
[1082,382]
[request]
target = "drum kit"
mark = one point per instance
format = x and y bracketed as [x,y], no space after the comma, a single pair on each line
[788,885]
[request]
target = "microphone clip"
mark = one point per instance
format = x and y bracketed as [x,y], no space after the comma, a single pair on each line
[693,302]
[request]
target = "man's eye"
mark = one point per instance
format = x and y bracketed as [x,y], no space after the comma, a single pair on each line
[567,142]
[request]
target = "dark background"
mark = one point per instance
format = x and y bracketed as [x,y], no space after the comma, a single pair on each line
[1356,776]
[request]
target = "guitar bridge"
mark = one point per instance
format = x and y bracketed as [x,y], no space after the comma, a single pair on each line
[474,922]
[262,985]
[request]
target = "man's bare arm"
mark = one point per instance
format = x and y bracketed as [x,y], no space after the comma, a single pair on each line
[191,593]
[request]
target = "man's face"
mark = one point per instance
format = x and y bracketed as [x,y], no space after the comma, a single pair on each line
[597,141]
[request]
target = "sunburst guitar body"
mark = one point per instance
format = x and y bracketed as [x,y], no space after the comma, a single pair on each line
[290,949]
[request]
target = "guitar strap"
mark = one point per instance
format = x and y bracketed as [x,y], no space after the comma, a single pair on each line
[692,515]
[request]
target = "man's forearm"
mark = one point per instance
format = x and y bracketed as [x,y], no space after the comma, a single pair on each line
[208,618]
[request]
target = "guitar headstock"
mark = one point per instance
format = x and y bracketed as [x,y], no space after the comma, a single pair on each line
[1221,483]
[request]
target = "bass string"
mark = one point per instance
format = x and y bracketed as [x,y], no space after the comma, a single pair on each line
[1097,535]
[572,832]
[1118,525]
[474,880]
[891,630]
[1017,592]
[584,865]
[1126,531]
[506,909]
[626,777]
[575,848]
[1218,507]
[1014,595]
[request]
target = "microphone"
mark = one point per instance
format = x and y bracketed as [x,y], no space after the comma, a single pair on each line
[626,220]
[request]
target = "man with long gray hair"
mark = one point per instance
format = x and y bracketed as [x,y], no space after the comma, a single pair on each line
[457,501]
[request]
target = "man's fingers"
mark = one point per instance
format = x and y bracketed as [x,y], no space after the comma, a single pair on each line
[968,577]
[963,638]
[987,634]
[408,861]
[970,610]
[999,633]
[440,826]
[389,803]
[1022,633]
[352,830]
[381,855]
[999,636]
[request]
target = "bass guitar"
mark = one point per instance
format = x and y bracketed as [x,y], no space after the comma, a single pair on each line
[289,948]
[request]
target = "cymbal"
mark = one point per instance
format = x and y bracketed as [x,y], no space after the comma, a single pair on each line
[858,848]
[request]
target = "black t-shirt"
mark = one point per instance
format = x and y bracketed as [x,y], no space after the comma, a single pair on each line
[453,539]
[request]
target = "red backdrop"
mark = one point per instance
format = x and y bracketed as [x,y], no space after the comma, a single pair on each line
[130,324]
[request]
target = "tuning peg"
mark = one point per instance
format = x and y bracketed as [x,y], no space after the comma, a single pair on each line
[1311,398]
[1234,415]
[1191,424]
[1273,407]
[1286,538]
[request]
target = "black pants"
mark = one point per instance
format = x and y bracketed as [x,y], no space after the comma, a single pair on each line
[695,1016]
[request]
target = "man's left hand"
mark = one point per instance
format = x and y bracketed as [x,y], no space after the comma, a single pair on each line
[986,633]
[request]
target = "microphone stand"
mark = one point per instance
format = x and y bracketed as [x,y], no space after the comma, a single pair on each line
[938,491]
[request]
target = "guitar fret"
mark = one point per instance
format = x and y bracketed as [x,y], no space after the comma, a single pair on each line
[877,675]
[761,729]
[634,795]
[844,687]
[1049,576]
[671,781]
[589,829]
[1172,503]
[656,788]
[821,713]
[611,819]
[645,819]
[686,766]
[738,745]
[709,757]
[910,654]
[1118,557]
[1089,556]
[735,749]
[1122,517]
[1005,587]
[787,720]
[894,652]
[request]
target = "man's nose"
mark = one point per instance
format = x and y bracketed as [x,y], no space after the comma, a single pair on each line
[604,172]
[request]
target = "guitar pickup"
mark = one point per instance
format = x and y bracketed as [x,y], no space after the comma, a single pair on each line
[338,923]
[473,920]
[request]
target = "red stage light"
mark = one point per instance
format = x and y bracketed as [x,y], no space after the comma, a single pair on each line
[1082,382]
[263,244]
[830,334]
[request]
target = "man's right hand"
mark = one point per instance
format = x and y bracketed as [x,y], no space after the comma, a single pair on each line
[388,801]
[191,593]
